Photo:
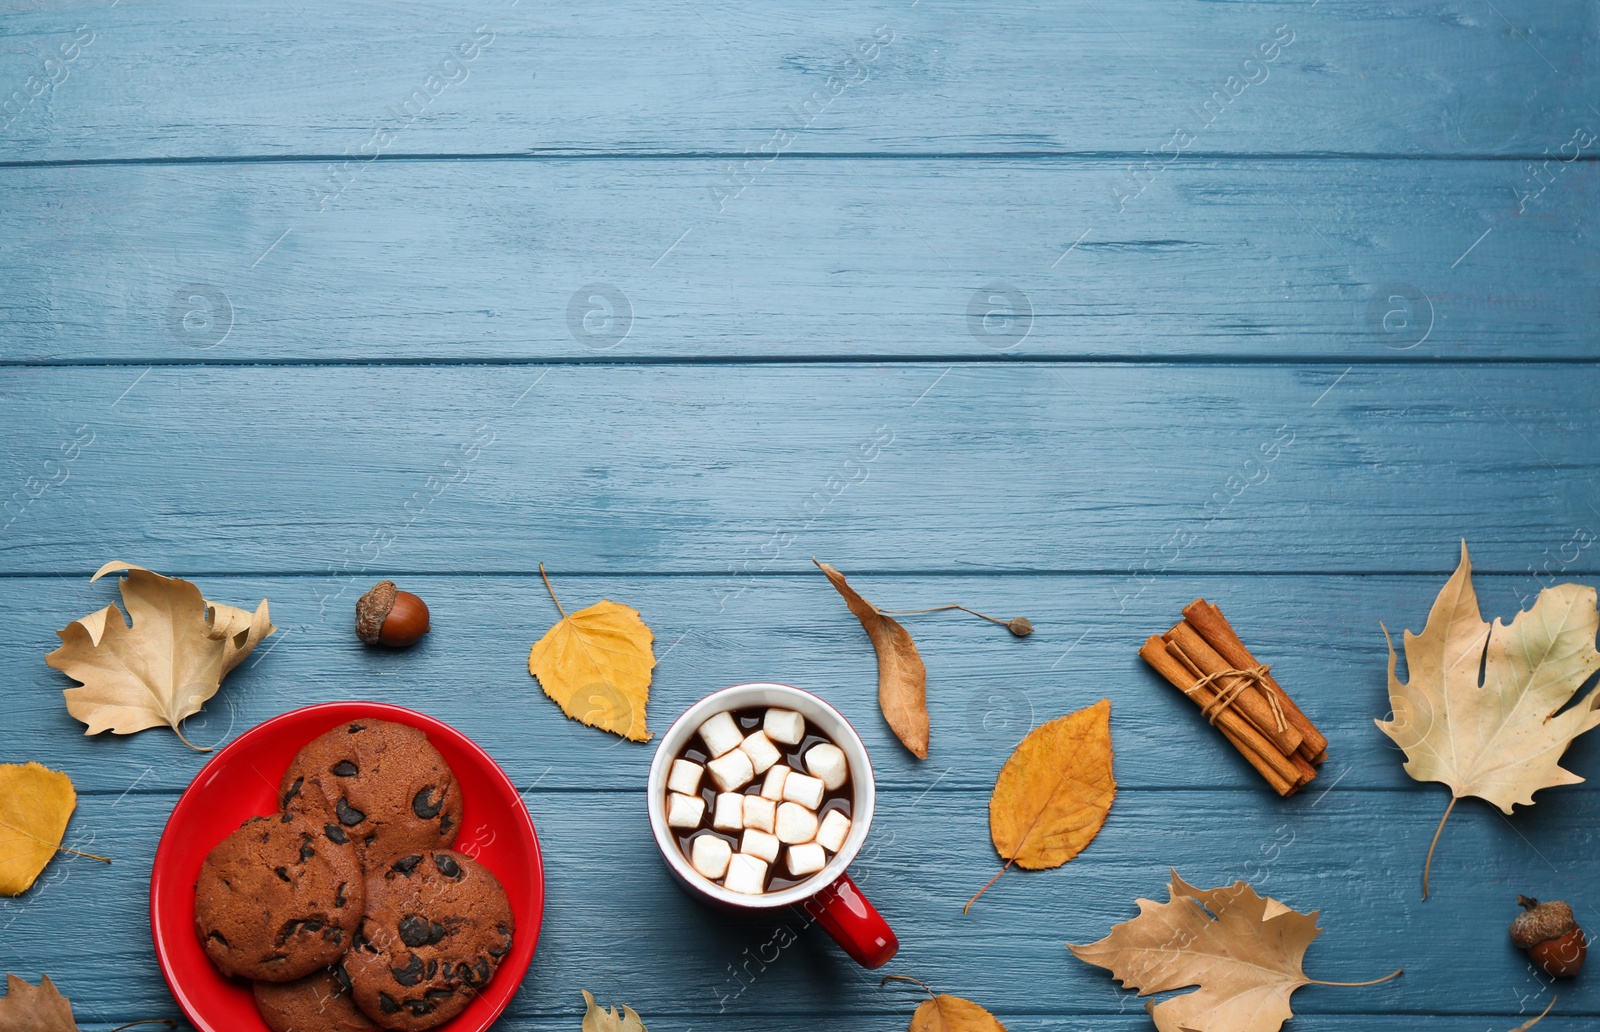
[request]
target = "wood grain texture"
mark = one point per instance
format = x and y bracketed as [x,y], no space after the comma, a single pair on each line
[986,689]
[919,867]
[854,258]
[179,78]
[738,470]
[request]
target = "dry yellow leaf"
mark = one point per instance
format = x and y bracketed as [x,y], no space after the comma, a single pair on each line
[35,804]
[1499,738]
[600,1019]
[1053,794]
[902,679]
[40,1008]
[953,1014]
[1243,950]
[163,668]
[596,665]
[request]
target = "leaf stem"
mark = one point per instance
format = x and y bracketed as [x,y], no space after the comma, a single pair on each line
[552,591]
[940,609]
[148,1021]
[1356,985]
[1428,866]
[907,978]
[87,856]
[991,881]
[1529,1024]
[179,732]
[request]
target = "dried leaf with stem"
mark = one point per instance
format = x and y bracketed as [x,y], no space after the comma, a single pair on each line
[596,664]
[1535,1020]
[42,1008]
[601,1019]
[35,805]
[941,1013]
[902,679]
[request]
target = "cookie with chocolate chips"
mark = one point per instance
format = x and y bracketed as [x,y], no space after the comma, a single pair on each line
[382,785]
[436,928]
[319,1002]
[279,898]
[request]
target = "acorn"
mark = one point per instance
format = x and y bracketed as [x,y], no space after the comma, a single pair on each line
[387,616]
[1551,936]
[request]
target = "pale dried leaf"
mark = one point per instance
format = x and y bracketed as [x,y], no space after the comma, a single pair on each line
[1500,738]
[596,665]
[240,628]
[1245,955]
[953,1014]
[902,679]
[600,1019]
[35,804]
[28,1008]
[1526,1025]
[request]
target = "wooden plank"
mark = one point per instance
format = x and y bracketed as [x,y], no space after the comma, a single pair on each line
[180,77]
[855,258]
[742,470]
[614,913]
[986,689]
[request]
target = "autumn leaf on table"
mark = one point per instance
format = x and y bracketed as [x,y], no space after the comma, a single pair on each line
[596,665]
[902,679]
[1053,794]
[942,1013]
[601,1019]
[163,668]
[35,805]
[1243,950]
[29,1008]
[1499,739]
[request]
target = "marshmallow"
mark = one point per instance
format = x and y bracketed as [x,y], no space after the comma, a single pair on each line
[784,725]
[685,811]
[732,770]
[685,777]
[720,734]
[729,814]
[806,859]
[795,824]
[772,788]
[710,856]
[798,788]
[759,812]
[828,763]
[761,751]
[759,843]
[834,830]
[746,874]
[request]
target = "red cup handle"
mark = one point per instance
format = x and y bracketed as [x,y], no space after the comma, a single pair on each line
[844,913]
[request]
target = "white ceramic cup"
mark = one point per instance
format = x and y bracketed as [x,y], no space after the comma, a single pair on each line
[829,895]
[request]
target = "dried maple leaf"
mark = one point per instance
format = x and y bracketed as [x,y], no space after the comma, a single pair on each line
[1246,956]
[1052,796]
[1500,738]
[28,1008]
[596,665]
[902,679]
[163,668]
[600,1019]
[35,805]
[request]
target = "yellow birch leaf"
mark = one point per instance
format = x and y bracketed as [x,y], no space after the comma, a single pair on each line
[165,666]
[902,679]
[40,1008]
[600,1019]
[953,1014]
[1500,738]
[1246,953]
[596,665]
[35,804]
[1053,794]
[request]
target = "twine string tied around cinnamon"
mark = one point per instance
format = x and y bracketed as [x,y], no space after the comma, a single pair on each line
[1224,698]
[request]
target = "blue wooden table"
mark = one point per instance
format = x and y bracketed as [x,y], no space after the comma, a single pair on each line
[314,295]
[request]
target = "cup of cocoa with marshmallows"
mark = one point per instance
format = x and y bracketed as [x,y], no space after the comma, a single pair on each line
[760,796]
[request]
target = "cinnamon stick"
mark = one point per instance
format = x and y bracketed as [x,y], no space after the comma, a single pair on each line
[1219,634]
[1252,745]
[1250,698]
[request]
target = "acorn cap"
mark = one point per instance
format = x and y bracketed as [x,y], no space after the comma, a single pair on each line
[372,609]
[1541,922]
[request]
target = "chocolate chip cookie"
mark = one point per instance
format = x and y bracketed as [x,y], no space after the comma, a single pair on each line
[437,926]
[319,1002]
[279,898]
[382,783]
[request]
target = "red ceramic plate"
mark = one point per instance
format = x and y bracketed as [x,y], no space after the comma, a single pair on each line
[242,781]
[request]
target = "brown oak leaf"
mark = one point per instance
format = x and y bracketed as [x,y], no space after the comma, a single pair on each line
[29,1008]
[902,679]
[1052,796]
[1244,951]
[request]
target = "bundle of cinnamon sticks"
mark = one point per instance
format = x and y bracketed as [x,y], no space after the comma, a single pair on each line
[1204,659]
